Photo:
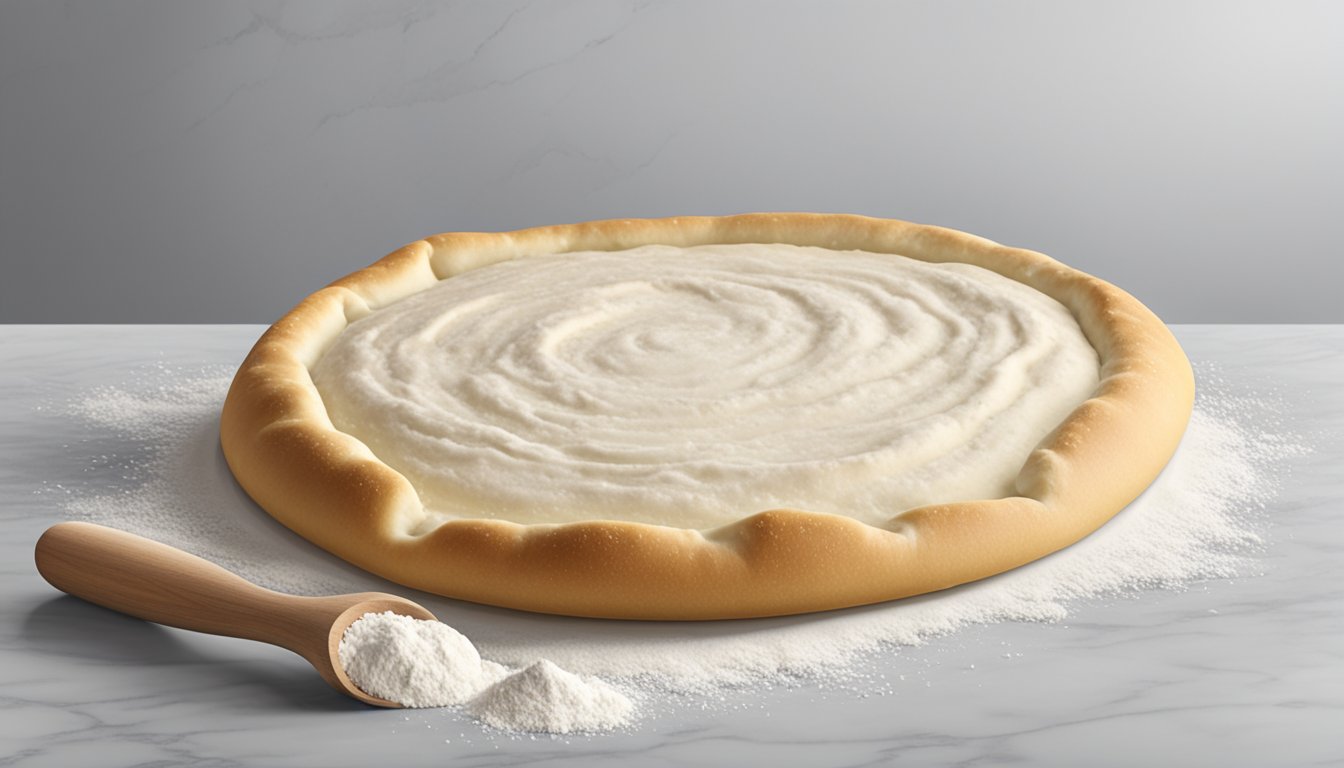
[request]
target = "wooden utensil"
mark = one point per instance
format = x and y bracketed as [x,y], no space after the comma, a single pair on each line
[159,583]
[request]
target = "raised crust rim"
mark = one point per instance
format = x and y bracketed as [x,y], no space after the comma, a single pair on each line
[328,487]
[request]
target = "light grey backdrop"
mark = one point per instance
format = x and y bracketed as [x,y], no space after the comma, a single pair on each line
[217,161]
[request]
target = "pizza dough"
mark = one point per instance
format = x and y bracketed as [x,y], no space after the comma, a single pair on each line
[705,417]
[681,386]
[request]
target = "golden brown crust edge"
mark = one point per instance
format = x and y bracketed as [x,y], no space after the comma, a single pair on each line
[329,488]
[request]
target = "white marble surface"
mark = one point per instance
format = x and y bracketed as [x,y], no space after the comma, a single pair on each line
[1228,673]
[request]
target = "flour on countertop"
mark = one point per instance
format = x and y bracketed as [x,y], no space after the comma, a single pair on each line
[1200,520]
[545,698]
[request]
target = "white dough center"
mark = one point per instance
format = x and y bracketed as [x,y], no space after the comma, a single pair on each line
[692,387]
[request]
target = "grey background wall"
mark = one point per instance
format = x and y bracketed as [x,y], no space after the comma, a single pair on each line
[217,161]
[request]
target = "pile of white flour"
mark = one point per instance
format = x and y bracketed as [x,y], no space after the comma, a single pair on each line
[546,698]
[429,664]
[1200,520]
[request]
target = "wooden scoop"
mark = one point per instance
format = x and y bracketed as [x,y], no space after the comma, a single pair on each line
[159,583]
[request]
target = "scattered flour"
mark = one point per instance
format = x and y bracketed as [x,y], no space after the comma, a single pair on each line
[1200,520]
[161,474]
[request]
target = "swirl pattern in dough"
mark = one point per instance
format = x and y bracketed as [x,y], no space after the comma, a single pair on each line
[692,386]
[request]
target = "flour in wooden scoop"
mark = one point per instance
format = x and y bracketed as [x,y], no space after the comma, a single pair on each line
[419,663]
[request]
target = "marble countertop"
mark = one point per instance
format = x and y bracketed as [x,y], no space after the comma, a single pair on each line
[1237,672]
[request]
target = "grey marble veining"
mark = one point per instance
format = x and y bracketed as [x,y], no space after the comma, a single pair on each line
[1241,672]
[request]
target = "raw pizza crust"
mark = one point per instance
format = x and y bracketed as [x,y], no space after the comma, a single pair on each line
[330,488]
